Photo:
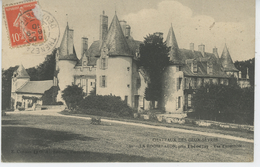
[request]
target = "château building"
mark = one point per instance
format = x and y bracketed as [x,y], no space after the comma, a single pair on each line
[110,66]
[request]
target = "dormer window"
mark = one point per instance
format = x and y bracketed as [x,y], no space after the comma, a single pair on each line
[195,66]
[209,68]
[85,63]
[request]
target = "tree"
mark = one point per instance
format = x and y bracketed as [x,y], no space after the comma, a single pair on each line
[45,70]
[228,103]
[49,96]
[72,96]
[243,66]
[154,59]
[6,86]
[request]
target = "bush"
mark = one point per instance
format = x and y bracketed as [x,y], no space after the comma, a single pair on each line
[72,96]
[21,108]
[50,95]
[224,103]
[105,106]
[59,103]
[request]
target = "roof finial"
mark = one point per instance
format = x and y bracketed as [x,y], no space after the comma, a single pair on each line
[115,8]
[171,24]
[103,12]
[67,19]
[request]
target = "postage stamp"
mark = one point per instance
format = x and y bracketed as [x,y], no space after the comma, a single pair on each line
[24,23]
[51,35]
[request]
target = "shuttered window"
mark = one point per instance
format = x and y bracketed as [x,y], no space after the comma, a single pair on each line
[209,68]
[195,66]
[177,103]
[103,63]
[103,81]
[189,100]
[178,84]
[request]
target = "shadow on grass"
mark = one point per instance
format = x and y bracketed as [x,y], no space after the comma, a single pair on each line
[11,122]
[25,144]
[60,155]
[31,137]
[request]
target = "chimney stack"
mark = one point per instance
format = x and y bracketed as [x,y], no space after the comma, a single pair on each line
[215,52]
[202,49]
[192,47]
[84,45]
[128,31]
[103,26]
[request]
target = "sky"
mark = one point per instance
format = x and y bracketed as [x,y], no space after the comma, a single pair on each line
[209,22]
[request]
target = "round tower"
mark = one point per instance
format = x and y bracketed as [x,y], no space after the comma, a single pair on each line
[67,59]
[114,66]
[173,79]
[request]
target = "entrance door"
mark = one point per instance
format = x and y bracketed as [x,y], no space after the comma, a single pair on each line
[136,101]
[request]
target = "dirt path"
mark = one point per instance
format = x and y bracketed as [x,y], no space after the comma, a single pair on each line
[56,113]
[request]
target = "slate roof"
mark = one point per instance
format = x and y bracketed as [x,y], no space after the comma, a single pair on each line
[66,49]
[35,87]
[185,57]
[174,54]
[227,61]
[188,56]
[115,40]
[171,39]
[21,72]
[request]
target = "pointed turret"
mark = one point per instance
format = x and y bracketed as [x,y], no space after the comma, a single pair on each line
[67,50]
[115,41]
[171,39]
[227,61]
[172,42]
[21,72]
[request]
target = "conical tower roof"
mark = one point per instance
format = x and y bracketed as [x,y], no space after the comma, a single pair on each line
[227,61]
[21,72]
[171,39]
[67,50]
[115,41]
[174,53]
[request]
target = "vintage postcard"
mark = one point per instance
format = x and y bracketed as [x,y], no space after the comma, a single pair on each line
[128,81]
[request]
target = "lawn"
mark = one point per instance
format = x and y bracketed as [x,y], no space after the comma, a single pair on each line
[29,138]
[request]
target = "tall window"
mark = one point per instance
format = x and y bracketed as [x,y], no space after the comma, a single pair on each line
[103,81]
[187,83]
[209,68]
[178,102]
[103,63]
[194,83]
[195,66]
[199,82]
[126,99]
[189,100]
[179,82]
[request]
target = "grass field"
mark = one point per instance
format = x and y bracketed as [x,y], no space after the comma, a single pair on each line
[28,138]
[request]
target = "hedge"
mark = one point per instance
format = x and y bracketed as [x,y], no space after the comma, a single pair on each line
[112,105]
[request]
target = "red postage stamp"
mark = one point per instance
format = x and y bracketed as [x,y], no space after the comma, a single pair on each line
[24,23]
